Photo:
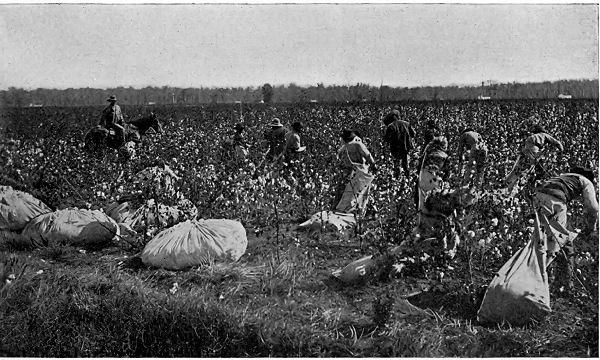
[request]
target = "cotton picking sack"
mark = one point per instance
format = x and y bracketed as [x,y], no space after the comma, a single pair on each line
[17,208]
[357,271]
[71,226]
[329,221]
[519,292]
[356,193]
[196,242]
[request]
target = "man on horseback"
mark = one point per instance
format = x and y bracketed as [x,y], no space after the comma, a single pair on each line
[112,118]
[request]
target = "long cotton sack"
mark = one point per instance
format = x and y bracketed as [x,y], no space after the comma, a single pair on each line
[357,271]
[71,226]
[356,193]
[196,242]
[17,208]
[519,292]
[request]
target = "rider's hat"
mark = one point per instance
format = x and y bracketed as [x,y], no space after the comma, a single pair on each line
[112,98]
[276,122]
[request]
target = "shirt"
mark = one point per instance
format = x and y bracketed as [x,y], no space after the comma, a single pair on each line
[354,152]
[292,142]
[568,187]
[535,143]
[112,115]
[399,134]
[434,159]
[276,139]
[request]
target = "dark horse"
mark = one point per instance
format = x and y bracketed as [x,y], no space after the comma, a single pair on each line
[100,137]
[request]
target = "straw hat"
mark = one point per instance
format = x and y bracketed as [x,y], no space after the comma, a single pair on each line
[276,122]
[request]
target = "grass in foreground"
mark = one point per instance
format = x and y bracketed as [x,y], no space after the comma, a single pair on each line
[65,303]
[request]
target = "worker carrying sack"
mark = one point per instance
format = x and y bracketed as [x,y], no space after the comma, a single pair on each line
[196,242]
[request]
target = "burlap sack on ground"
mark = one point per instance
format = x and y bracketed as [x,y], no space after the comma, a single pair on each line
[71,226]
[17,208]
[196,242]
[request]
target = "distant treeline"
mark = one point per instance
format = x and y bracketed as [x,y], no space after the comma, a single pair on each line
[16,97]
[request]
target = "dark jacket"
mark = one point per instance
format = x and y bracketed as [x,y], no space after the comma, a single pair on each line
[276,139]
[111,115]
[399,135]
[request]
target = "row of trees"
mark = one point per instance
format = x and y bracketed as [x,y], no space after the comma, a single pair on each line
[17,97]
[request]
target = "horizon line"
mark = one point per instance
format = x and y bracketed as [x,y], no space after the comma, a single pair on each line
[487,81]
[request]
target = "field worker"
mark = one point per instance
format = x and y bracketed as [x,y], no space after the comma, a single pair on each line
[476,157]
[438,221]
[239,142]
[399,135]
[352,156]
[293,143]
[392,115]
[292,150]
[431,130]
[433,170]
[276,139]
[530,156]
[157,181]
[551,202]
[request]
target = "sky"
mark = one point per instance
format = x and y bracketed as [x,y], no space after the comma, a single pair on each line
[209,45]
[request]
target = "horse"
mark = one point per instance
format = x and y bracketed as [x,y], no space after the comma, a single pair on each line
[100,137]
[135,129]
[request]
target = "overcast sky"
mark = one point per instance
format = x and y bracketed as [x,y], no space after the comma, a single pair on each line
[61,46]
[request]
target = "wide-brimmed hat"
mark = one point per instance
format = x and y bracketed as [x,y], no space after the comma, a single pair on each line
[112,98]
[276,122]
